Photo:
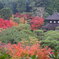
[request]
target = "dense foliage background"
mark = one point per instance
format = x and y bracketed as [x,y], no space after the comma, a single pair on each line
[27,5]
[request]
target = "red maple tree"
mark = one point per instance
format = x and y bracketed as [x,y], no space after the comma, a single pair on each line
[36,22]
[7,23]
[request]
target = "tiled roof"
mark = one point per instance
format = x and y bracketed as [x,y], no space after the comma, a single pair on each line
[54,16]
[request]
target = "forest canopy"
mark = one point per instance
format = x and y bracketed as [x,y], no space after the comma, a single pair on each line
[27,5]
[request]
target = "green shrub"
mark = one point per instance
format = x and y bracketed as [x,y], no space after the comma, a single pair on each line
[57,28]
[5,13]
[51,39]
[24,27]
[3,54]
[17,20]
[39,34]
[16,34]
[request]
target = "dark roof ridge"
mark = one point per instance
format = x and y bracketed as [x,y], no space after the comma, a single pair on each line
[54,16]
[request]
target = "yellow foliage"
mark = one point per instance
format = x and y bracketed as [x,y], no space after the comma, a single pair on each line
[22,20]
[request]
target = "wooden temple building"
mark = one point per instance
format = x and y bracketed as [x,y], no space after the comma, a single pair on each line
[52,21]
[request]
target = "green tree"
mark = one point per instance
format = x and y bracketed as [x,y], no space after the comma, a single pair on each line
[51,39]
[5,13]
[21,6]
[1,5]
[53,6]
[17,34]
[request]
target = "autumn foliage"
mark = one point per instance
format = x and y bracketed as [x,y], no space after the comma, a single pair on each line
[17,51]
[23,20]
[28,48]
[13,23]
[36,22]
[27,16]
[6,23]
